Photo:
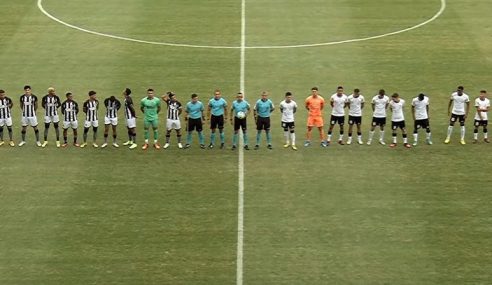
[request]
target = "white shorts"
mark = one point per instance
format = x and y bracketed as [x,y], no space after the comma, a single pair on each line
[49,119]
[73,124]
[88,124]
[7,122]
[131,123]
[173,124]
[110,121]
[29,121]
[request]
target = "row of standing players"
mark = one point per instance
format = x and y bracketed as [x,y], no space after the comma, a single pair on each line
[217,113]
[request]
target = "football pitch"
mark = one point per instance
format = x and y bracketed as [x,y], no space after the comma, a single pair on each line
[351,214]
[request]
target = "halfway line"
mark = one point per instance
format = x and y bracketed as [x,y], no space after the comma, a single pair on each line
[240,207]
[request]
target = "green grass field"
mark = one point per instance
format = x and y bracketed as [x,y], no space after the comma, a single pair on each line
[342,215]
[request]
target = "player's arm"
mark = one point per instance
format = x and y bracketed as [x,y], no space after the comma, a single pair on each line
[10,103]
[332,102]
[272,108]
[248,110]
[142,107]
[362,105]
[43,102]
[58,102]
[373,106]
[35,103]
[203,113]
[63,108]
[479,111]
[118,104]
[84,107]
[180,109]
[209,111]
[129,103]
[21,103]
[413,112]
[76,107]
[165,97]
[467,109]
[255,114]
[232,113]
[225,112]
[427,109]
[187,113]
[449,106]
[159,107]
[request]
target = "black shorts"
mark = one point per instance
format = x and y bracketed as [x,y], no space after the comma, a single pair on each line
[195,124]
[288,125]
[239,124]
[355,120]
[217,122]
[378,121]
[396,125]
[459,118]
[481,123]
[424,124]
[337,120]
[263,123]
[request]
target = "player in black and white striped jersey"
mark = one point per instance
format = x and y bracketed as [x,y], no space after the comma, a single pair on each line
[131,119]
[174,109]
[29,106]
[51,102]
[6,105]
[70,109]
[90,109]
[112,106]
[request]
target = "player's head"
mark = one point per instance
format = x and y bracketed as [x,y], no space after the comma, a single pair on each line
[483,94]
[150,93]
[112,98]
[381,93]
[69,96]
[339,91]
[217,94]
[240,96]
[127,92]
[171,95]
[51,91]
[421,96]
[395,97]
[460,90]
[314,91]
[264,95]
[194,98]
[92,95]
[356,92]
[2,94]
[27,90]
[288,96]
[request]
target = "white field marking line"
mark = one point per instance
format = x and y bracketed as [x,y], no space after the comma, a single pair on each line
[240,206]
[439,13]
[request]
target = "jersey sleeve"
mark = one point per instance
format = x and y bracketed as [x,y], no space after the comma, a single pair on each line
[76,107]
[118,104]
[63,107]
[43,101]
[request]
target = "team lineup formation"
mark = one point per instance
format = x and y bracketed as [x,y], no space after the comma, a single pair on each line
[218,111]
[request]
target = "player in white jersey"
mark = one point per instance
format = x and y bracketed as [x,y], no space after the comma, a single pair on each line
[51,102]
[338,102]
[90,108]
[379,105]
[288,108]
[482,104]
[111,119]
[398,119]
[420,113]
[461,106]
[355,104]
[131,119]
[70,110]
[174,110]
[29,106]
[6,105]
